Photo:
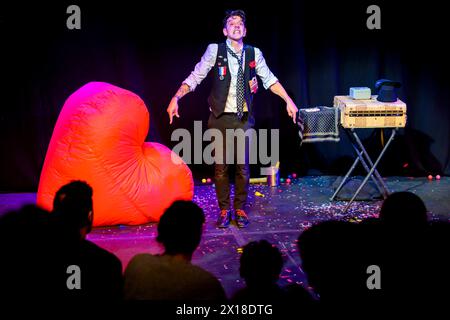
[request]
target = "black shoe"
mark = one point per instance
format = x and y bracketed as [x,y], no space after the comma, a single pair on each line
[241,218]
[224,219]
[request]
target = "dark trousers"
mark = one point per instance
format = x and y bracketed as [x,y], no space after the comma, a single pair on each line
[221,170]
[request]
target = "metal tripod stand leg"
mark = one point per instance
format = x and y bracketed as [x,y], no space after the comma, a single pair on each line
[349,172]
[371,170]
[384,191]
[361,151]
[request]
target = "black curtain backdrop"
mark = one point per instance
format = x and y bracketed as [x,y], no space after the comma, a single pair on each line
[316,49]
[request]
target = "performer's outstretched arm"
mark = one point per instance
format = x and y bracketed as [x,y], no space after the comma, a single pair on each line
[291,108]
[172,109]
[271,82]
[194,79]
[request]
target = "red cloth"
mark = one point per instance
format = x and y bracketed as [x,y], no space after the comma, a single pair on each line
[100,138]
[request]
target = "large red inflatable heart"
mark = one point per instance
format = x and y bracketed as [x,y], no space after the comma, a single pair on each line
[100,138]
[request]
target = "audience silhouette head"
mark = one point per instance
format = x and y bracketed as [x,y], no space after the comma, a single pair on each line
[261,263]
[73,205]
[180,228]
[403,209]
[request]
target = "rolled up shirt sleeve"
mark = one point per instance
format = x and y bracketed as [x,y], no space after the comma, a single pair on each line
[203,67]
[263,71]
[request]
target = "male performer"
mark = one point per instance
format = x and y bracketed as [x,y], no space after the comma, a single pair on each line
[235,67]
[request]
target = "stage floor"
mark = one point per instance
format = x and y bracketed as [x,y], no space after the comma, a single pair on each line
[279,216]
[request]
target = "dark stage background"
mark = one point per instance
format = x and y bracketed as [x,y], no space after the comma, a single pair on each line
[317,50]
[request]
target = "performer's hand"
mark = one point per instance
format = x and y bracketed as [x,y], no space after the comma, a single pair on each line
[292,110]
[172,109]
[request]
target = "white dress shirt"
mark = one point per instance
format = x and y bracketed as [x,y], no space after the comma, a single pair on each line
[208,61]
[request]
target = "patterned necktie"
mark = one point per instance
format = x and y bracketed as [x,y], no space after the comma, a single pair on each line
[240,83]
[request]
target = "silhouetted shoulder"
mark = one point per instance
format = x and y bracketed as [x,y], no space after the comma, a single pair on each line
[90,249]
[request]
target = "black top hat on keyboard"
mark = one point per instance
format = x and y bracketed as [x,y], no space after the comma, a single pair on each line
[387,90]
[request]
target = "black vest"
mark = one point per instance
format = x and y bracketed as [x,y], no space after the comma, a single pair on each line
[220,87]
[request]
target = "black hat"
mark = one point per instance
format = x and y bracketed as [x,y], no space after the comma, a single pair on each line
[387,90]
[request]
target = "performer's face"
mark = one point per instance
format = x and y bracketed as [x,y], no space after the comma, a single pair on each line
[235,28]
